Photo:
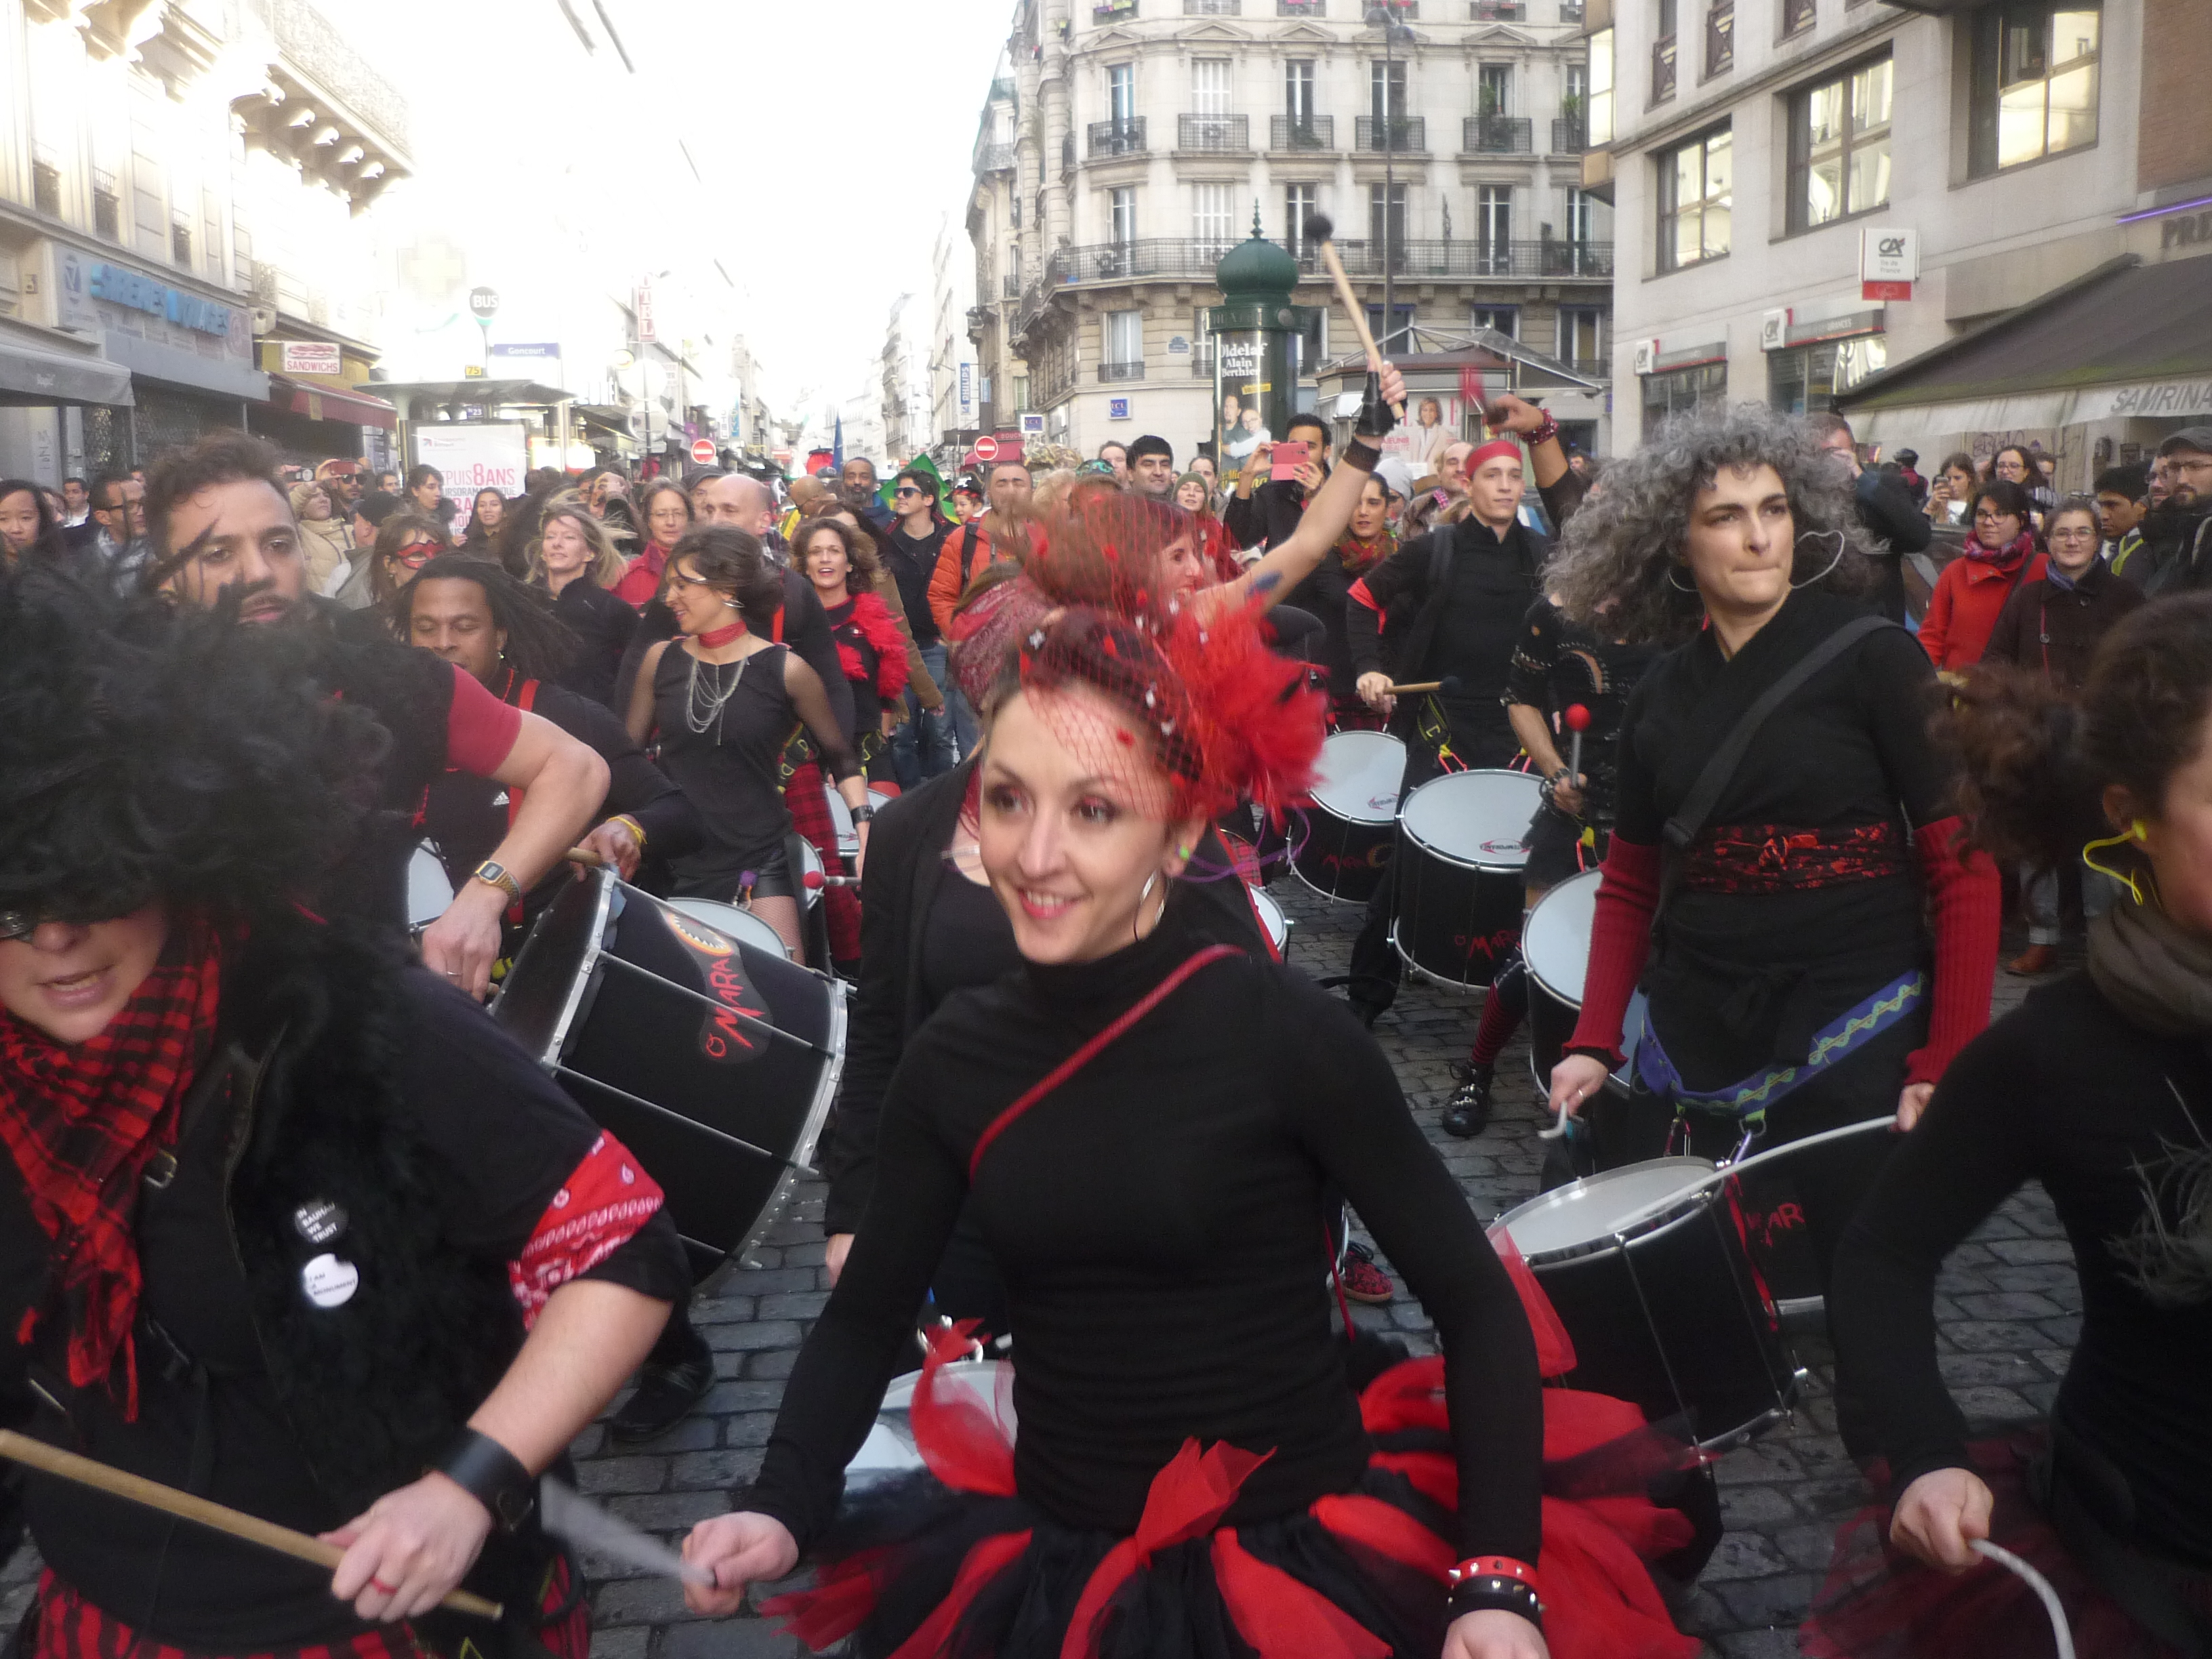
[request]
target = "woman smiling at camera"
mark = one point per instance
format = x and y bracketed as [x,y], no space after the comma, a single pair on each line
[284,1219]
[575,560]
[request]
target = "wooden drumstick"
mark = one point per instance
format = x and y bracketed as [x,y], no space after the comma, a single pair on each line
[585,857]
[1449,685]
[235,1523]
[1321,230]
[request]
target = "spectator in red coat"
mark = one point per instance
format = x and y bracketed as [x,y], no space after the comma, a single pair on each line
[667,511]
[870,642]
[1998,559]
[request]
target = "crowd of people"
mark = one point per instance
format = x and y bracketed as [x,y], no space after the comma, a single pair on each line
[295,1227]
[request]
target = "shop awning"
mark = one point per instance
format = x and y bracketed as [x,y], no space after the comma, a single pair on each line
[47,377]
[2127,339]
[322,403]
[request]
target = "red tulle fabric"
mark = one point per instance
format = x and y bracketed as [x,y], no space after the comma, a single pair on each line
[1280,1617]
[986,1560]
[1877,1604]
[963,1443]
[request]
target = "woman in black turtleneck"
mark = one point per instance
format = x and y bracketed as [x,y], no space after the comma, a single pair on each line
[2099,1087]
[1155,1207]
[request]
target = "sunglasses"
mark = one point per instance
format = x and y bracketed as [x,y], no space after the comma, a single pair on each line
[908,489]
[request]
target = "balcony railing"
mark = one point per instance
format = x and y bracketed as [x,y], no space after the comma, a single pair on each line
[1662,69]
[1719,37]
[1299,8]
[1314,132]
[1122,371]
[1407,136]
[1497,11]
[1497,135]
[1194,259]
[1214,8]
[1122,137]
[1798,15]
[1213,133]
[993,158]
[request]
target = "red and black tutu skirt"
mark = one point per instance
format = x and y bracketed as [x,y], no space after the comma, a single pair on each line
[957,1562]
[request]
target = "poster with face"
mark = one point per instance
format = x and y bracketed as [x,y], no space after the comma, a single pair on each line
[1433,422]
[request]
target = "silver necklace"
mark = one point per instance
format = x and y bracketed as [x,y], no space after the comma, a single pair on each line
[701,713]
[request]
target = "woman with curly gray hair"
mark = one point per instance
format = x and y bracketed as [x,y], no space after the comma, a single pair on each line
[1782,761]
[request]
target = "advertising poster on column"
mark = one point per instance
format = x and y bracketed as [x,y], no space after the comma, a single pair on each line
[1240,367]
[492,455]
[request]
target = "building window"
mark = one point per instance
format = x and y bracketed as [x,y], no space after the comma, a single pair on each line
[1214,219]
[106,207]
[2034,82]
[1021,384]
[1808,379]
[1121,216]
[1394,334]
[1580,216]
[1209,86]
[1299,91]
[1503,320]
[47,188]
[1719,37]
[1494,228]
[1694,201]
[180,243]
[1385,223]
[1582,338]
[1300,204]
[1494,89]
[1680,390]
[1125,346]
[1798,15]
[1122,94]
[1839,146]
[1386,92]
[1662,53]
[1600,89]
[1201,343]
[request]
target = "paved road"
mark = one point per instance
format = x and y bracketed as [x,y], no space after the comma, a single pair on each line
[2008,1302]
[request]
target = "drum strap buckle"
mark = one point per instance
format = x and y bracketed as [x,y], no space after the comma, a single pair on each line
[1678,1136]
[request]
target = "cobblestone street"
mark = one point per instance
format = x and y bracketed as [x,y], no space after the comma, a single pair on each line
[2008,1304]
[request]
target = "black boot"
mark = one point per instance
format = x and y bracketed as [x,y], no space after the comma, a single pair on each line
[1468,1113]
[675,1377]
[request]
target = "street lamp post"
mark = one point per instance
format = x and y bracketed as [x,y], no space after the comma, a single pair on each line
[1392,118]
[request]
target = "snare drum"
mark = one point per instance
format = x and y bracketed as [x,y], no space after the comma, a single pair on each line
[848,836]
[1646,1271]
[732,920]
[889,1450]
[714,1059]
[429,889]
[1349,829]
[1555,943]
[1272,919]
[1459,894]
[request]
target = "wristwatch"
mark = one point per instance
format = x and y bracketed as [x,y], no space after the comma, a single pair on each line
[495,874]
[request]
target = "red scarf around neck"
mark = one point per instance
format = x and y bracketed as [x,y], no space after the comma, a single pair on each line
[1358,557]
[715,638]
[82,1121]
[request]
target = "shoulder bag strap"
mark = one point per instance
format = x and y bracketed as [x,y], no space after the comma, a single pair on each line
[1090,1051]
[1706,794]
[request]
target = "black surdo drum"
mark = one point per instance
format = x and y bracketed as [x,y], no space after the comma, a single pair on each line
[1351,826]
[714,1059]
[1463,839]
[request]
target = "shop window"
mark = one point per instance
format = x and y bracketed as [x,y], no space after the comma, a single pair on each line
[1805,380]
[1680,390]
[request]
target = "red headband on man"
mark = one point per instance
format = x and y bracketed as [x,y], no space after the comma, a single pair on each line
[1493,451]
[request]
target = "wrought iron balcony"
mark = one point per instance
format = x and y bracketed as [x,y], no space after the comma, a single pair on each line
[1194,259]
[1213,133]
[1798,15]
[1497,135]
[1719,37]
[1570,135]
[1122,137]
[1407,136]
[1122,371]
[1214,8]
[1314,133]
[1662,69]
[1301,9]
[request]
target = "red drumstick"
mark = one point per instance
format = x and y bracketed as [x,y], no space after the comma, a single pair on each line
[1577,719]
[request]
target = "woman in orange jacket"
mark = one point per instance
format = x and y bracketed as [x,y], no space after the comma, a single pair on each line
[1999,557]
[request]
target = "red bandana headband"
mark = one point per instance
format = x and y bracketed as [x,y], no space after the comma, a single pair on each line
[1493,451]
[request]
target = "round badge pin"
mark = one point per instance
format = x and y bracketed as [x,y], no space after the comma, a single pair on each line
[329,1282]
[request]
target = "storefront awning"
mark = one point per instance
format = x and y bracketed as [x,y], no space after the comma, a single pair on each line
[2127,339]
[319,403]
[47,377]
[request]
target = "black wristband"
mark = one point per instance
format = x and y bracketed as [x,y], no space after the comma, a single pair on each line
[861,814]
[1501,1594]
[491,1475]
[1361,456]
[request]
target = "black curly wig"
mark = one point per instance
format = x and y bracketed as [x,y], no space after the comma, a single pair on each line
[148,752]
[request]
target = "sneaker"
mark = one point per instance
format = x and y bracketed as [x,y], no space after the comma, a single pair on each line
[2036,959]
[665,1397]
[1364,1281]
[1467,1113]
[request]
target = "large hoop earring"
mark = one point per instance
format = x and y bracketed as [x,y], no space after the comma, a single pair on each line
[1814,535]
[1691,589]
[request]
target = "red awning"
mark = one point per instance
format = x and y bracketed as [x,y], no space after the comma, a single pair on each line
[322,404]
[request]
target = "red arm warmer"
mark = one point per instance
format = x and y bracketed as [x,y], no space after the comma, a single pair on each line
[480,729]
[1621,940]
[1964,895]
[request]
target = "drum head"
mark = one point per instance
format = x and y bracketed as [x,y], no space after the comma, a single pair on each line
[1271,916]
[1479,818]
[429,889]
[841,816]
[1358,775]
[732,922]
[1584,1212]
[1556,940]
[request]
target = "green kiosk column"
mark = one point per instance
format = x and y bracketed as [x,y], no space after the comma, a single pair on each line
[1255,331]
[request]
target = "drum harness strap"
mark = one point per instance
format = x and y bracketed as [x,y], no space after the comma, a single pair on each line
[1748,1101]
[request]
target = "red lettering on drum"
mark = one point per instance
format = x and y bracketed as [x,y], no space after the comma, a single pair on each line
[1786,1217]
[724,1037]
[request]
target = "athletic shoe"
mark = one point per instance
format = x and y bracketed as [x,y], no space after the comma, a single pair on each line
[2036,959]
[1364,1281]
[665,1397]
[1467,1113]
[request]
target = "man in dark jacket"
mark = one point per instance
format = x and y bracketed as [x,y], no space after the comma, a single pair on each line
[2176,556]
[1446,607]
[1886,509]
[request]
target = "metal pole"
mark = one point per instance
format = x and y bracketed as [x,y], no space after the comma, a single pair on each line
[1391,118]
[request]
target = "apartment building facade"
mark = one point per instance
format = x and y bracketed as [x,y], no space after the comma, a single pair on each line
[1134,141]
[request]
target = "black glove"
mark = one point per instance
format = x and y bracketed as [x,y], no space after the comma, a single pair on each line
[1375,416]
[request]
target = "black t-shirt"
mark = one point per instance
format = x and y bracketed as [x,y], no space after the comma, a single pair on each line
[603,625]
[1557,664]
[1158,1221]
[912,563]
[2063,1091]
[474,1098]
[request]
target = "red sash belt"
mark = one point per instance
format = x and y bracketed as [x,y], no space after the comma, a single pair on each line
[1775,858]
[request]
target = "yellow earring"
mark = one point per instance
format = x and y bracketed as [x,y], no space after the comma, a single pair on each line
[2134,832]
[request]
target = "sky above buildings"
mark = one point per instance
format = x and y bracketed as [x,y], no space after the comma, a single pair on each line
[794,160]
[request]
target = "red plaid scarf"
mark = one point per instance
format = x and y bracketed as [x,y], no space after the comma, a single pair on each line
[82,1122]
[1358,557]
